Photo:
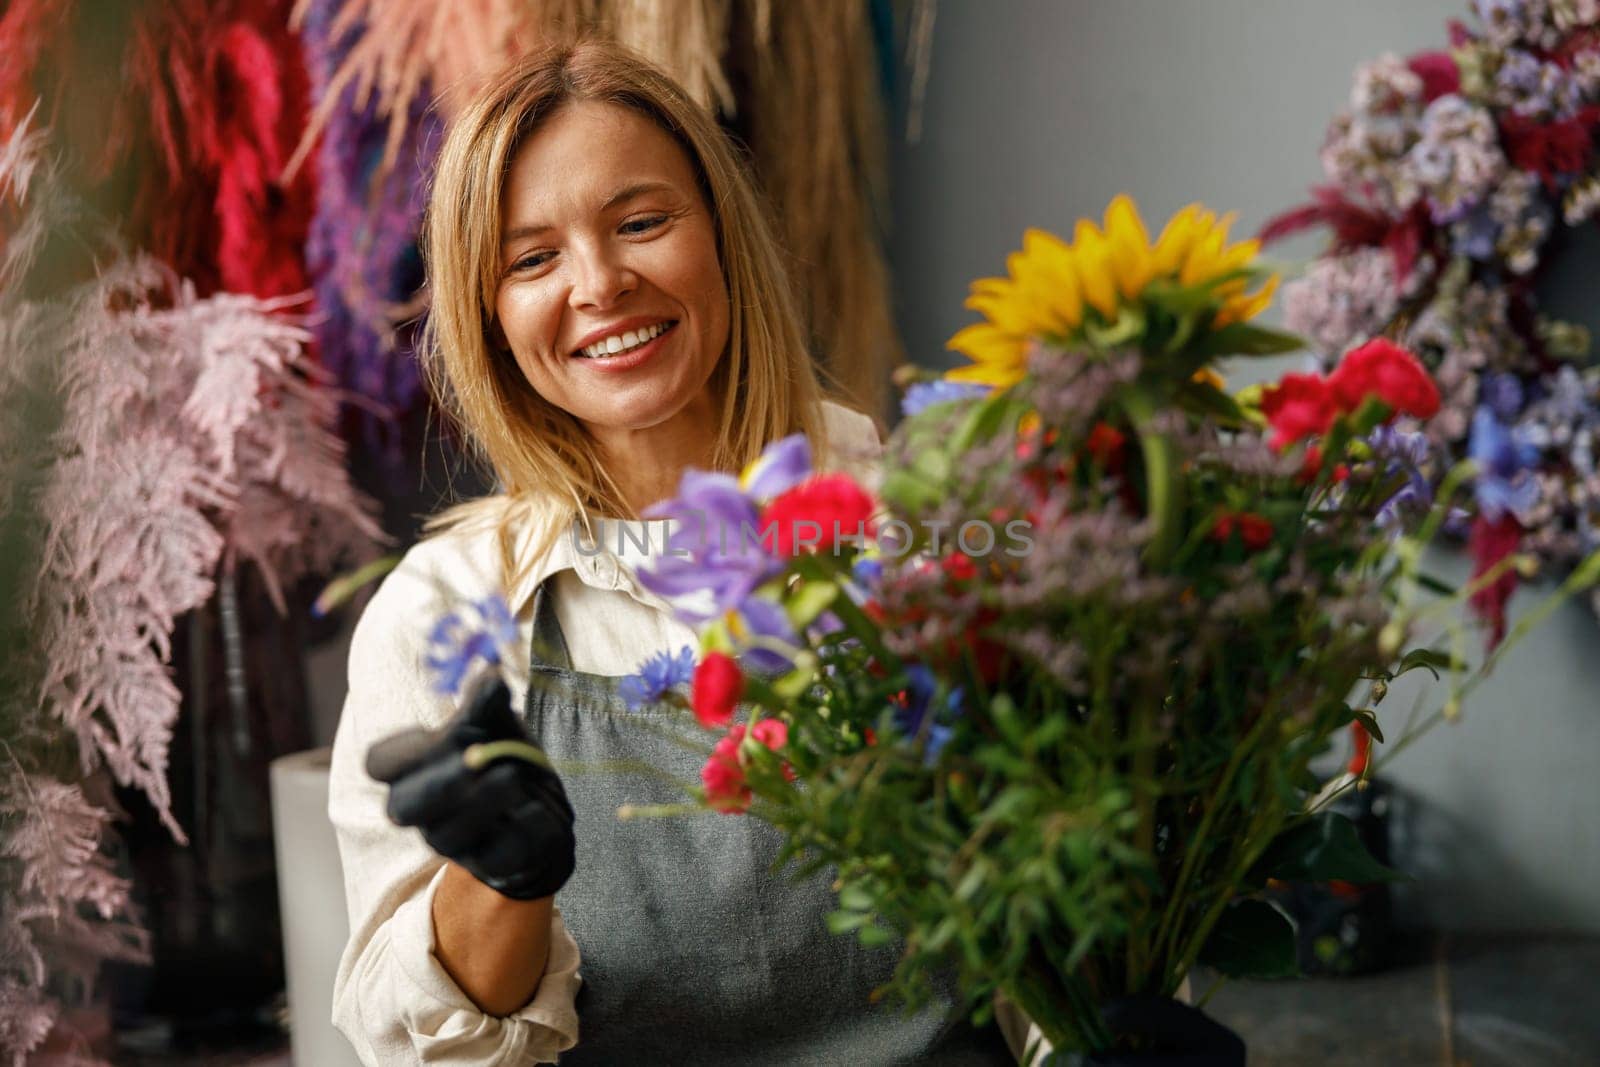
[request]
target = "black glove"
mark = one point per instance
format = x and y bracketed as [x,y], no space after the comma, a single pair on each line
[508,823]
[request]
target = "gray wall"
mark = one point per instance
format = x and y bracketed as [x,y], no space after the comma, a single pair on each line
[1039,112]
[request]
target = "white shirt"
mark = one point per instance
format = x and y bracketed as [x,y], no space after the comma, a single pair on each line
[392,998]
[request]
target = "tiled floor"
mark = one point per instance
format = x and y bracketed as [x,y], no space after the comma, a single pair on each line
[1452,1002]
[1455,1002]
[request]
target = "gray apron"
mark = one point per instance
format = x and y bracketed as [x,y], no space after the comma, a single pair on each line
[693,951]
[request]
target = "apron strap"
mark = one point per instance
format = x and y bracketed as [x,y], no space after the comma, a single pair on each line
[549,643]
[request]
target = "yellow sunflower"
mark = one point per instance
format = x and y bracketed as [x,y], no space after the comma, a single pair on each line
[1052,286]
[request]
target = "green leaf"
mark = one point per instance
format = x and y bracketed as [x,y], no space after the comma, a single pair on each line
[981,423]
[808,601]
[1198,398]
[1129,324]
[1430,659]
[1435,585]
[1323,848]
[1369,720]
[874,936]
[1251,940]
[1242,339]
[854,898]
[842,922]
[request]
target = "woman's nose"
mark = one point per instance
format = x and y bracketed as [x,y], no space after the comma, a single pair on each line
[600,278]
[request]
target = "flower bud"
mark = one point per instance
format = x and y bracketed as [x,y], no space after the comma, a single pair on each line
[1452,710]
[1391,637]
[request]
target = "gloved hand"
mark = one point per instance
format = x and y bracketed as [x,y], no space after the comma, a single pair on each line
[507,822]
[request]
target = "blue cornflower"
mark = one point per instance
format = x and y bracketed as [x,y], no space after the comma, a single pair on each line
[912,707]
[657,676]
[1504,483]
[924,395]
[455,642]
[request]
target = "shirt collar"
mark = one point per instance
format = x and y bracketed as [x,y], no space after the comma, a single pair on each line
[597,566]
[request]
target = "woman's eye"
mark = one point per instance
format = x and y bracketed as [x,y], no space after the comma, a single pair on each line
[643,225]
[532,260]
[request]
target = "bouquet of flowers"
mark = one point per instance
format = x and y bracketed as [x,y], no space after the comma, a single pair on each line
[1454,177]
[1048,704]
[1047,701]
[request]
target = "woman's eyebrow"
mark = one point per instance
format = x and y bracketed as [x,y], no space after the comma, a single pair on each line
[621,196]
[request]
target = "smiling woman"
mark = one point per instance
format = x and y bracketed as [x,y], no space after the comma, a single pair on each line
[609,309]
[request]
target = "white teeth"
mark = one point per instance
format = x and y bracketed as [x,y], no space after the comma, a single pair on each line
[623,342]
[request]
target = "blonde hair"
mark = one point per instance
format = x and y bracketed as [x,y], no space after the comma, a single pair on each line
[540,454]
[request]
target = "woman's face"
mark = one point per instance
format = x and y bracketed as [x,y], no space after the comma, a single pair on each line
[611,293]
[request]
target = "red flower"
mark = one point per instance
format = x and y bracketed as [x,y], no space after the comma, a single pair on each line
[1105,444]
[723,774]
[723,777]
[958,567]
[1489,543]
[832,506]
[1299,406]
[1383,369]
[1312,466]
[1439,73]
[1363,745]
[715,690]
[1254,531]
[1549,150]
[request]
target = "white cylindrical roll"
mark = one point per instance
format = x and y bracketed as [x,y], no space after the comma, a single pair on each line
[311,900]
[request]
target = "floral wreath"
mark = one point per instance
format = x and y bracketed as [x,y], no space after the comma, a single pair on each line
[1450,175]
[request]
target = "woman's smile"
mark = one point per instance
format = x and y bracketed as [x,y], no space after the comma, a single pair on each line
[612,298]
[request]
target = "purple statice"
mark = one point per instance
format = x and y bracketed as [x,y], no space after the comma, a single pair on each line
[1343,300]
[1519,209]
[1366,142]
[656,677]
[924,395]
[1456,160]
[1504,483]
[1503,395]
[1539,89]
[456,641]
[1475,235]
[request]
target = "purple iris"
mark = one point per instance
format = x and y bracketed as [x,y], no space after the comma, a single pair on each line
[454,643]
[1402,453]
[758,617]
[782,465]
[923,395]
[656,677]
[1504,483]
[715,556]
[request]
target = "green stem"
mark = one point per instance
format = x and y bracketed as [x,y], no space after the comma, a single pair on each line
[480,755]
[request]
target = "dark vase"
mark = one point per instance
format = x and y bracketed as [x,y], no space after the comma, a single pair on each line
[212,905]
[1161,1032]
[1342,928]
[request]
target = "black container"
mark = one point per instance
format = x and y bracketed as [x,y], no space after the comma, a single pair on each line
[1161,1032]
[212,905]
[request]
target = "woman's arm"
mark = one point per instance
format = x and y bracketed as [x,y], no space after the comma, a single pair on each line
[493,947]
[394,999]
